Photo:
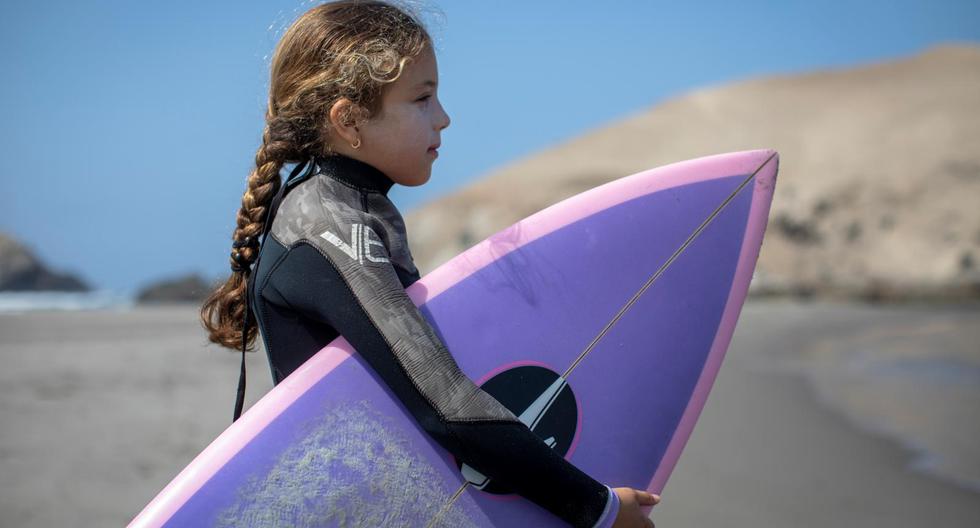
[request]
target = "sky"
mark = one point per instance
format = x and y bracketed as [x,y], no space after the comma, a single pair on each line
[129,128]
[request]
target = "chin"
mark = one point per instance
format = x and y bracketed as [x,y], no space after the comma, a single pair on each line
[417,180]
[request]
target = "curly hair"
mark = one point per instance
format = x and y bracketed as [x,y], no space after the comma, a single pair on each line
[348,49]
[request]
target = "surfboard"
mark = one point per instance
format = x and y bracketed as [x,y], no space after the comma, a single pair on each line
[601,322]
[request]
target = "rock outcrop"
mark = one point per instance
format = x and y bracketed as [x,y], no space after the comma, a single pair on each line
[879,186]
[21,271]
[191,288]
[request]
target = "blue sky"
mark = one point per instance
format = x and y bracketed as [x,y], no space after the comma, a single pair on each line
[129,127]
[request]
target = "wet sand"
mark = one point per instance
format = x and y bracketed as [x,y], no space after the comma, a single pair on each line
[773,449]
[101,409]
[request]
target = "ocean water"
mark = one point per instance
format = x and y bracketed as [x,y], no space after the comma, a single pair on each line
[930,405]
[23,302]
[911,375]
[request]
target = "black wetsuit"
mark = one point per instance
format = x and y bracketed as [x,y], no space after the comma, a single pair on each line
[335,261]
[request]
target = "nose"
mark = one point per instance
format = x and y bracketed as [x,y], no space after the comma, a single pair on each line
[443,121]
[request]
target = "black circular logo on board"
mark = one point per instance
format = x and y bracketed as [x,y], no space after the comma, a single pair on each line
[549,408]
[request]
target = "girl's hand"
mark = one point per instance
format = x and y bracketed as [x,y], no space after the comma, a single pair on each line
[630,515]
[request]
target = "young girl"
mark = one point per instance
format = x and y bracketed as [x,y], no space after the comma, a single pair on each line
[353,102]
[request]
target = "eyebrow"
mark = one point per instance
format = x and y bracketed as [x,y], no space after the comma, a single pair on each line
[426,83]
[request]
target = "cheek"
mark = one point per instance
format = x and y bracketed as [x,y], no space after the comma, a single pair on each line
[433,116]
[416,133]
[411,127]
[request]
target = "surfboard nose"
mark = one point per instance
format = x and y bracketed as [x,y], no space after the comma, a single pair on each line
[768,168]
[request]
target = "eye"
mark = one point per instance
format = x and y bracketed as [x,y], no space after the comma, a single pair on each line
[424,97]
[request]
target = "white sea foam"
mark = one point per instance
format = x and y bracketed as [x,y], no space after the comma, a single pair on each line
[21,302]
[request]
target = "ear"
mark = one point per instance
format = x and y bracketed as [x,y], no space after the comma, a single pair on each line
[344,118]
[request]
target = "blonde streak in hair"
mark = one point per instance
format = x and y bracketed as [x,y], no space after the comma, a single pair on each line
[377,72]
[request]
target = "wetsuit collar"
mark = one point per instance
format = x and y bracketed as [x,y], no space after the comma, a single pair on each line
[355,172]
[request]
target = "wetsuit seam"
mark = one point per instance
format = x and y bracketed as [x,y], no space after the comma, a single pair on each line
[276,238]
[367,211]
[275,265]
[367,316]
[259,288]
[265,330]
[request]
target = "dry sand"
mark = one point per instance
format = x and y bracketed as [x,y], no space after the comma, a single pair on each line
[101,409]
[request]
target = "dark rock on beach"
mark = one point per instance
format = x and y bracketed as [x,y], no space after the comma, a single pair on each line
[189,288]
[22,271]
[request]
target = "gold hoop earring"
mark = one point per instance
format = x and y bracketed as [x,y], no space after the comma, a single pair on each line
[356,145]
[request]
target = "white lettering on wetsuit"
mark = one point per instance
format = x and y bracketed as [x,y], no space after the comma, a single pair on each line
[360,243]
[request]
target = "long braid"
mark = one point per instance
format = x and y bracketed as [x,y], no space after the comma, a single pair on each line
[225,306]
[230,303]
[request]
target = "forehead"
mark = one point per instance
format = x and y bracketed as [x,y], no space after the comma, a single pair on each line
[420,72]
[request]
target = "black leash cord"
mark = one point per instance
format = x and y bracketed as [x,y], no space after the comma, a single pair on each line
[240,397]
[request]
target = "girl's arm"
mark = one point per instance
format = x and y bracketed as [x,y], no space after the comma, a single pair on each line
[361,297]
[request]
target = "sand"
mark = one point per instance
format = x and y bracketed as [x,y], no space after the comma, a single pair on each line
[101,409]
[768,451]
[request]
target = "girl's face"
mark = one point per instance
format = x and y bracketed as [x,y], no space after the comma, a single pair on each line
[401,140]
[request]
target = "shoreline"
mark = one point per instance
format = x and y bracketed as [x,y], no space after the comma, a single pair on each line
[769,451]
[952,297]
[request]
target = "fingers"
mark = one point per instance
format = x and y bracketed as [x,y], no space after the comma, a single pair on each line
[646,499]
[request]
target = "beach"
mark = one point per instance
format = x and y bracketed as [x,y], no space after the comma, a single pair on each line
[823,414]
[773,448]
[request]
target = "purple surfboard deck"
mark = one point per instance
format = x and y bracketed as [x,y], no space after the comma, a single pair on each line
[631,291]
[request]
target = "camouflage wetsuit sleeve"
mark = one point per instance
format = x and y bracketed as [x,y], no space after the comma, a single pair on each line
[338,272]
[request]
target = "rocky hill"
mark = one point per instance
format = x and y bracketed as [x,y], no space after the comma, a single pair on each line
[21,270]
[879,186]
[189,288]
